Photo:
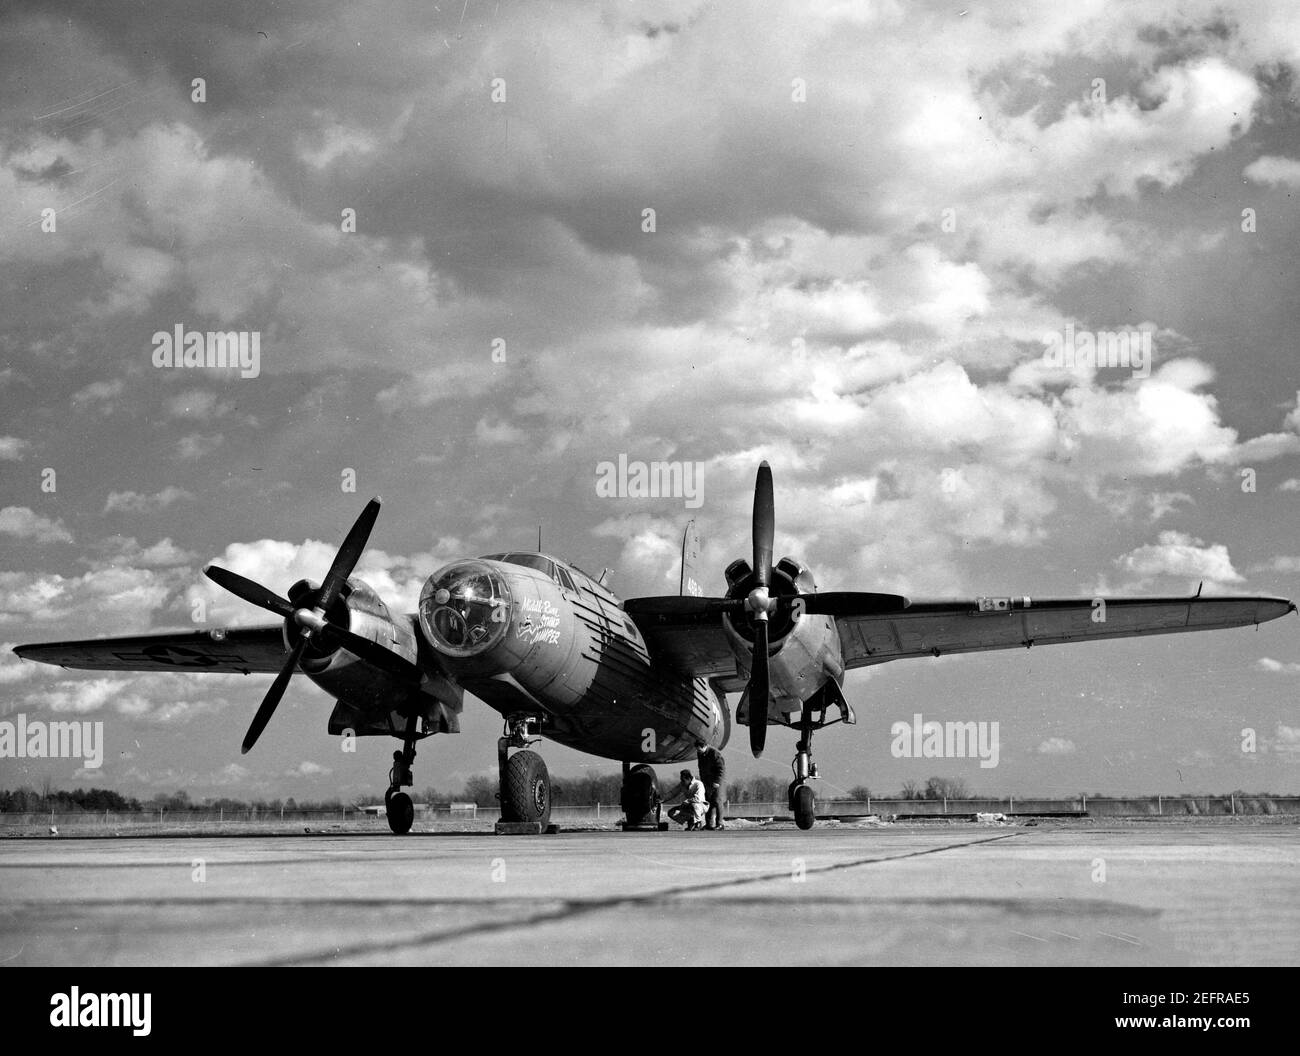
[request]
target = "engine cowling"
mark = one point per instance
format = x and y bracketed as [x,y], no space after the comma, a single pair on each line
[804,650]
[342,675]
[789,578]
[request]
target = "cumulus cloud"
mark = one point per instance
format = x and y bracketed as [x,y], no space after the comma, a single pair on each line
[134,502]
[1273,169]
[194,446]
[1162,503]
[98,391]
[1282,563]
[199,405]
[12,449]
[22,522]
[1285,739]
[1277,667]
[124,597]
[497,432]
[278,564]
[145,697]
[99,396]
[1178,556]
[308,769]
[162,554]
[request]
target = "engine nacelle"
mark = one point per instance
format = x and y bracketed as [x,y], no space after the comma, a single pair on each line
[341,674]
[805,650]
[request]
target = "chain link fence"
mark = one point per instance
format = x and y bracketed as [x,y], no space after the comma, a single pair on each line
[372,818]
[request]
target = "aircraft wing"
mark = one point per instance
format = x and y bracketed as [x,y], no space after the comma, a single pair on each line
[933,628]
[238,650]
[692,644]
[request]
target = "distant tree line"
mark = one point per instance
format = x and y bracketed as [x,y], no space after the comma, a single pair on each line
[95,800]
[482,790]
[26,800]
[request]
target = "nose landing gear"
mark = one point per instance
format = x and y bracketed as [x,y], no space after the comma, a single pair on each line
[803,803]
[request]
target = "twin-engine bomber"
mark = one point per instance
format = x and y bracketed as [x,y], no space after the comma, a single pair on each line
[642,681]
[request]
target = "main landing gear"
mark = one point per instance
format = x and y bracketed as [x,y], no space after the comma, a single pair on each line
[397,804]
[639,799]
[525,785]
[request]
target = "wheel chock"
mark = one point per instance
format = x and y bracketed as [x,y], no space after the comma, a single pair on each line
[525,828]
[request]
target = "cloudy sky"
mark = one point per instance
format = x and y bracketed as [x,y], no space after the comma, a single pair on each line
[866,219]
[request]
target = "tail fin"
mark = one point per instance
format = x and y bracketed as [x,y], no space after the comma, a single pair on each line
[691,547]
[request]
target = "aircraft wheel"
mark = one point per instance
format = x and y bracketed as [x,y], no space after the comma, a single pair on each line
[640,793]
[401,813]
[526,793]
[805,807]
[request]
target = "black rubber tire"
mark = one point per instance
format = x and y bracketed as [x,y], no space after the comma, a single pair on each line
[640,793]
[401,813]
[527,792]
[805,807]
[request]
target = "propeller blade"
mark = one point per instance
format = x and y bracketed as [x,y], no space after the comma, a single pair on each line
[273,695]
[372,652]
[758,691]
[849,603]
[349,553]
[764,525]
[246,589]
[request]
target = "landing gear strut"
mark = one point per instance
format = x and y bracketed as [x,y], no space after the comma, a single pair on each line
[525,785]
[803,803]
[397,804]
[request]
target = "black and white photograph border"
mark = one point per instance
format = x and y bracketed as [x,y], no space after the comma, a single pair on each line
[468,470]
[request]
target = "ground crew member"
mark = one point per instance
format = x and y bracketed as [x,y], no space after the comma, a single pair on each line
[690,812]
[713,773]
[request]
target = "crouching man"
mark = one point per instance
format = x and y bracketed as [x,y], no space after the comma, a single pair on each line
[690,812]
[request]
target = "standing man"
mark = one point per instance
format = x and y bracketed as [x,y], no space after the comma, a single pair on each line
[690,812]
[713,773]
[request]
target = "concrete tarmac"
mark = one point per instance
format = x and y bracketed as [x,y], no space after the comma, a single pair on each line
[1220,893]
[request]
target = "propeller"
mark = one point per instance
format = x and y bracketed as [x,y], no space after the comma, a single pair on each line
[312,622]
[759,606]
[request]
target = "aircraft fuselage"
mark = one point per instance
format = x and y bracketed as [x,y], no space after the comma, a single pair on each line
[533,640]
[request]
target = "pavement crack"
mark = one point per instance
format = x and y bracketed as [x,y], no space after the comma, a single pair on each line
[572,908]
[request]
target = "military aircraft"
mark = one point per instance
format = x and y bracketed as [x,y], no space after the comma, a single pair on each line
[642,681]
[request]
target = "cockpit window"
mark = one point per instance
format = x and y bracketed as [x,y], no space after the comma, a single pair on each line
[537,561]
